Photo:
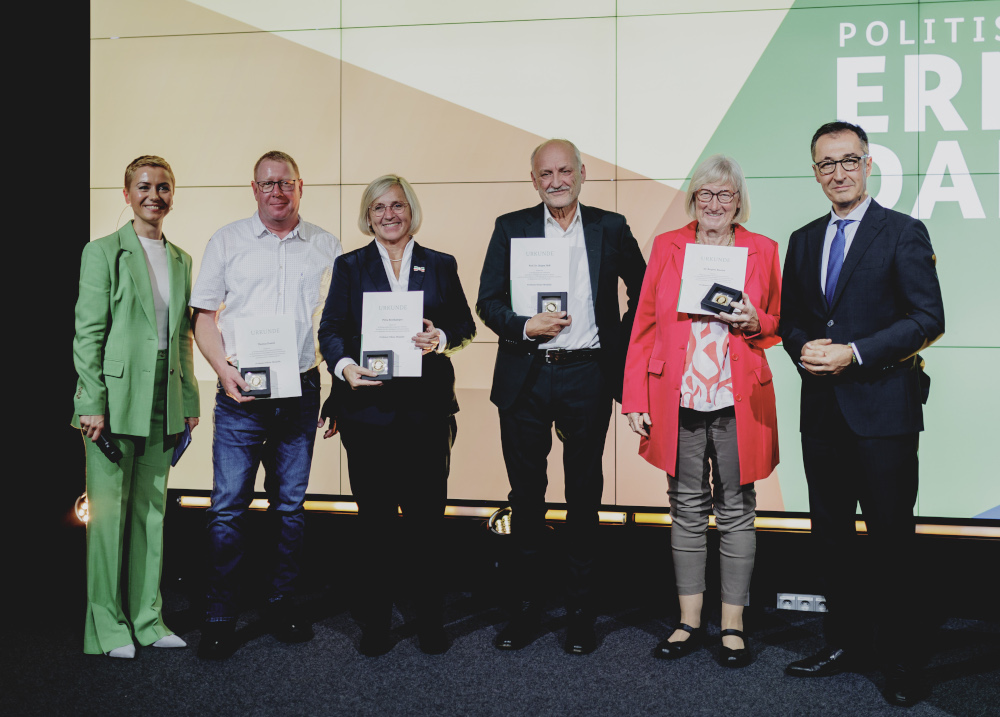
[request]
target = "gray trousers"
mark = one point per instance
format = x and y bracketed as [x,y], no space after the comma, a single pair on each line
[706,449]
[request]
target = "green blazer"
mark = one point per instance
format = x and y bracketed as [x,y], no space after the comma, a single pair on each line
[115,347]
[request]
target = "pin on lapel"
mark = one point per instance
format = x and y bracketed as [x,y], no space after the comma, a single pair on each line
[418,268]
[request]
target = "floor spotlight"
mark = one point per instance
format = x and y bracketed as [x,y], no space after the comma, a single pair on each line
[499,522]
[82,509]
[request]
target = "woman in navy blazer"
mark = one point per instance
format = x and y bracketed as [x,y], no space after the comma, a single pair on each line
[397,433]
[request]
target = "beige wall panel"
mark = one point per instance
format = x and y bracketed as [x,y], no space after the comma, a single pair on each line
[286,15]
[651,208]
[474,365]
[477,467]
[638,482]
[209,120]
[362,13]
[686,7]
[672,90]
[389,123]
[128,18]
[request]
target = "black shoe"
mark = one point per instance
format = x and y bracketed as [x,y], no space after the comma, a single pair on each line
[433,640]
[580,637]
[740,657]
[521,630]
[286,623]
[667,650]
[374,642]
[826,662]
[218,640]
[904,687]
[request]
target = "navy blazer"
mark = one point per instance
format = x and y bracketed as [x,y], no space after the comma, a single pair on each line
[612,253]
[887,302]
[433,393]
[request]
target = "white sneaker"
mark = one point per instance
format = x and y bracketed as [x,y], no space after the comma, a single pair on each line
[170,641]
[125,651]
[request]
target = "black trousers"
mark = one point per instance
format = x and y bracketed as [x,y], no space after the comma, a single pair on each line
[574,398]
[405,466]
[873,590]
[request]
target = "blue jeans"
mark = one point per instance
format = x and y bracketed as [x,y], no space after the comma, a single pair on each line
[281,434]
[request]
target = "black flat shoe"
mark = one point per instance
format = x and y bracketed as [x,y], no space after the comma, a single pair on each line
[580,636]
[740,657]
[667,650]
[903,687]
[826,662]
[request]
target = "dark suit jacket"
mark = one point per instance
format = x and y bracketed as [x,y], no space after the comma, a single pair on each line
[433,393]
[612,252]
[887,302]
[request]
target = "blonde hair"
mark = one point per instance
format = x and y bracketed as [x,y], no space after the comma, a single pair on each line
[380,186]
[720,169]
[147,160]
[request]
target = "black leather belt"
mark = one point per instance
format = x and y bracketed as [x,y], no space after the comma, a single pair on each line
[562,356]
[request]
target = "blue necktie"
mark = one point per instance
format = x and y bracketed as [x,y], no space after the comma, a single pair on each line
[836,260]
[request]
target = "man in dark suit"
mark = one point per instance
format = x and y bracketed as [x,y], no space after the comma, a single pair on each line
[860,297]
[562,368]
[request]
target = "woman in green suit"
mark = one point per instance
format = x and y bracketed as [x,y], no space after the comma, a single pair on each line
[136,386]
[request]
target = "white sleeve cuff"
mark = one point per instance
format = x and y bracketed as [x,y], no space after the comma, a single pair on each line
[442,342]
[338,370]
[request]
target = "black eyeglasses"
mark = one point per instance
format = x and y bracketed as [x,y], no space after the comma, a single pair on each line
[829,166]
[285,184]
[724,197]
[396,207]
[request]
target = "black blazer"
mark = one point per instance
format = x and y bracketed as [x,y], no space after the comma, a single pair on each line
[612,252]
[887,302]
[433,393]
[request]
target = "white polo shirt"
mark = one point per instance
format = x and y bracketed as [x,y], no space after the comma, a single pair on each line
[248,271]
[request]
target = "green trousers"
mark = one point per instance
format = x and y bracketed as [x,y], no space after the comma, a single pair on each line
[132,493]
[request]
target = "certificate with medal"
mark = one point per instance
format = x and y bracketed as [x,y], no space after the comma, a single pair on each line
[267,353]
[539,275]
[389,321]
[706,268]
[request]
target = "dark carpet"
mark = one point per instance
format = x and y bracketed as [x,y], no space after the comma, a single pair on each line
[43,670]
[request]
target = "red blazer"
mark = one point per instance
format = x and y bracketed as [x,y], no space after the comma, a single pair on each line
[659,343]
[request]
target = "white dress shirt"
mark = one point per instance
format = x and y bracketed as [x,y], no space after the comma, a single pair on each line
[159,277]
[248,272]
[582,333]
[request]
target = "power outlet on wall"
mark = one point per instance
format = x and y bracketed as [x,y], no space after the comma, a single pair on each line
[803,603]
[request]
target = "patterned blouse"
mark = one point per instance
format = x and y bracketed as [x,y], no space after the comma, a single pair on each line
[707,381]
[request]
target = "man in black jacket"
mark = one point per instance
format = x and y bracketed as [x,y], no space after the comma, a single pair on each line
[559,367]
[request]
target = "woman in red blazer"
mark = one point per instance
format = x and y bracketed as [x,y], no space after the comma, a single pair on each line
[698,390]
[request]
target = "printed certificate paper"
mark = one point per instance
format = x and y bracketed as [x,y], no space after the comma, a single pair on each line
[389,321]
[270,341]
[705,265]
[537,265]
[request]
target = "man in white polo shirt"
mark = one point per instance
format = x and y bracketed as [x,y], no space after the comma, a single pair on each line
[272,263]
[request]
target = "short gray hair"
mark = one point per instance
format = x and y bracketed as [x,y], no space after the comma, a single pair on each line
[546,143]
[380,186]
[720,169]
